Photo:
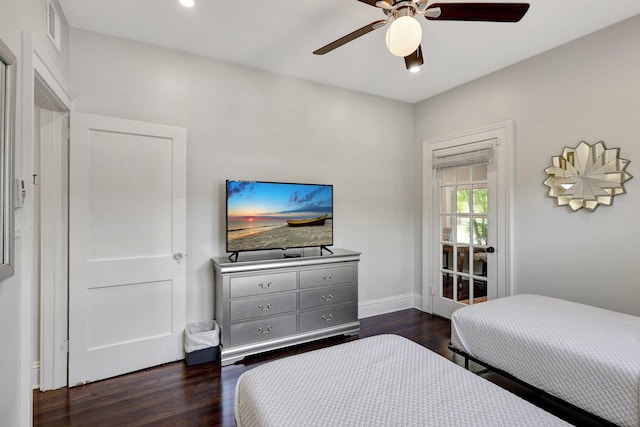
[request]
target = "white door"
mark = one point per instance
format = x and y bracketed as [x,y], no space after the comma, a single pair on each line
[467,220]
[465,224]
[127,215]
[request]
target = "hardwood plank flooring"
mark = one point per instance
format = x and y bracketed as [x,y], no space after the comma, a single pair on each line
[203,395]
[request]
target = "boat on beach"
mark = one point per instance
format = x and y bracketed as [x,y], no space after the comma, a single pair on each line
[306,222]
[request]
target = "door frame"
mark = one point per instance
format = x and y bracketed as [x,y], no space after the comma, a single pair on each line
[503,133]
[51,225]
[40,81]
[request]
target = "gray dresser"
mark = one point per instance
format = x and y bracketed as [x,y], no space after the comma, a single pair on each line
[265,304]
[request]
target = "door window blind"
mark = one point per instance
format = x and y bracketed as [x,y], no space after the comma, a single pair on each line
[464,155]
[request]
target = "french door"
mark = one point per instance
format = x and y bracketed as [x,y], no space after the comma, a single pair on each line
[466,220]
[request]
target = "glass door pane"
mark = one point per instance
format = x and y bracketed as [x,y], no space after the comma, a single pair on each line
[464,223]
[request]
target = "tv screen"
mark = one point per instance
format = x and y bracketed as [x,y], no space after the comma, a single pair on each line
[278,215]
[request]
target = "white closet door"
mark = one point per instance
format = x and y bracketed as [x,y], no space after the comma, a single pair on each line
[127,240]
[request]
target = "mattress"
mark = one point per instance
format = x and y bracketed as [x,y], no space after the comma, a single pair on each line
[383,380]
[586,356]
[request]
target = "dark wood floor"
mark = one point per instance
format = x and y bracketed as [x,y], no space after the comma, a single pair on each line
[177,395]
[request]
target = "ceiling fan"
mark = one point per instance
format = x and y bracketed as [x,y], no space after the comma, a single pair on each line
[404,35]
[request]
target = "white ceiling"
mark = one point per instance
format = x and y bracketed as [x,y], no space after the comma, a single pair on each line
[280,36]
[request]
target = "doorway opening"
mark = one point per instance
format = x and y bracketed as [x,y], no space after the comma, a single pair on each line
[48,182]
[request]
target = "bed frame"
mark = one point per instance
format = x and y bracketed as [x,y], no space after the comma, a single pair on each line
[488,368]
[585,358]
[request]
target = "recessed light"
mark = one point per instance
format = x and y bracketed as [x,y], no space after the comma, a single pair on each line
[187,3]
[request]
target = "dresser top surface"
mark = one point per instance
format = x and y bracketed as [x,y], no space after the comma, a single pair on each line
[252,261]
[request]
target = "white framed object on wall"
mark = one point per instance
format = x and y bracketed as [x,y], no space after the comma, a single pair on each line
[7,138]
[53,24]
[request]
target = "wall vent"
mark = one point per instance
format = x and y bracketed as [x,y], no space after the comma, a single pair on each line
[53,25]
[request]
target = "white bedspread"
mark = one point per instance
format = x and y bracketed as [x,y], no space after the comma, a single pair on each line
[385,380]
[584,355]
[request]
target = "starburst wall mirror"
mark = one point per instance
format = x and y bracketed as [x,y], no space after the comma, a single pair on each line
[587,176]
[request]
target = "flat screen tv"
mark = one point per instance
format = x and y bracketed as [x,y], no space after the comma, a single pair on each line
[278,215]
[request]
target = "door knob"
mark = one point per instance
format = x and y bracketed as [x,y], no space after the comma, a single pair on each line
[491,249]
[177,256]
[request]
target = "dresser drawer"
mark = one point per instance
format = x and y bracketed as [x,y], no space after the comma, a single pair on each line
[327,276]
[328,316]
[326,296]
[263,306]
[262,284]
[261,330]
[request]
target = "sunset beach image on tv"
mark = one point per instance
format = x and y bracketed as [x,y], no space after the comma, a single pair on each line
[273,215]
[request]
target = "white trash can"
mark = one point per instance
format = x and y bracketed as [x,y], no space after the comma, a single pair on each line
[201,342]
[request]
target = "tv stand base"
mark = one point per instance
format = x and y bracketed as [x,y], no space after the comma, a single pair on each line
[326,249]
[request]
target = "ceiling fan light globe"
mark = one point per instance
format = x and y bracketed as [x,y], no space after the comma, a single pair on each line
[404,36]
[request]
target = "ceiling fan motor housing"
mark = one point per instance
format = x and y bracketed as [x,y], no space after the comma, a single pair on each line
[408,6]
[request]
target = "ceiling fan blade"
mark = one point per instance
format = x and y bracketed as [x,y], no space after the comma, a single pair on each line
[491,12]
[349,37]
[369,2]
[415,60]
[384,4]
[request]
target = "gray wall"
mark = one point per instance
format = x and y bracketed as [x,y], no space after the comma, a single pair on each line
[17,16]
[244,123]
[585,90]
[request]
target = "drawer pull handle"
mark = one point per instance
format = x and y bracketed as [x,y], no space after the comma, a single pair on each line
[264,308]
[327,278]
[264,285]
[265,331]
[327,298]
[327,318]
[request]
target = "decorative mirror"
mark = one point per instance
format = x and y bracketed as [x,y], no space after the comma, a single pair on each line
[587,176]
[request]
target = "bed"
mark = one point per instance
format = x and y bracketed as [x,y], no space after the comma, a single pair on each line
[585,356]
[382,380]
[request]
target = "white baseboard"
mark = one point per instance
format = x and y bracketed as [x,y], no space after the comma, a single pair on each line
[35,375]
[388,305]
